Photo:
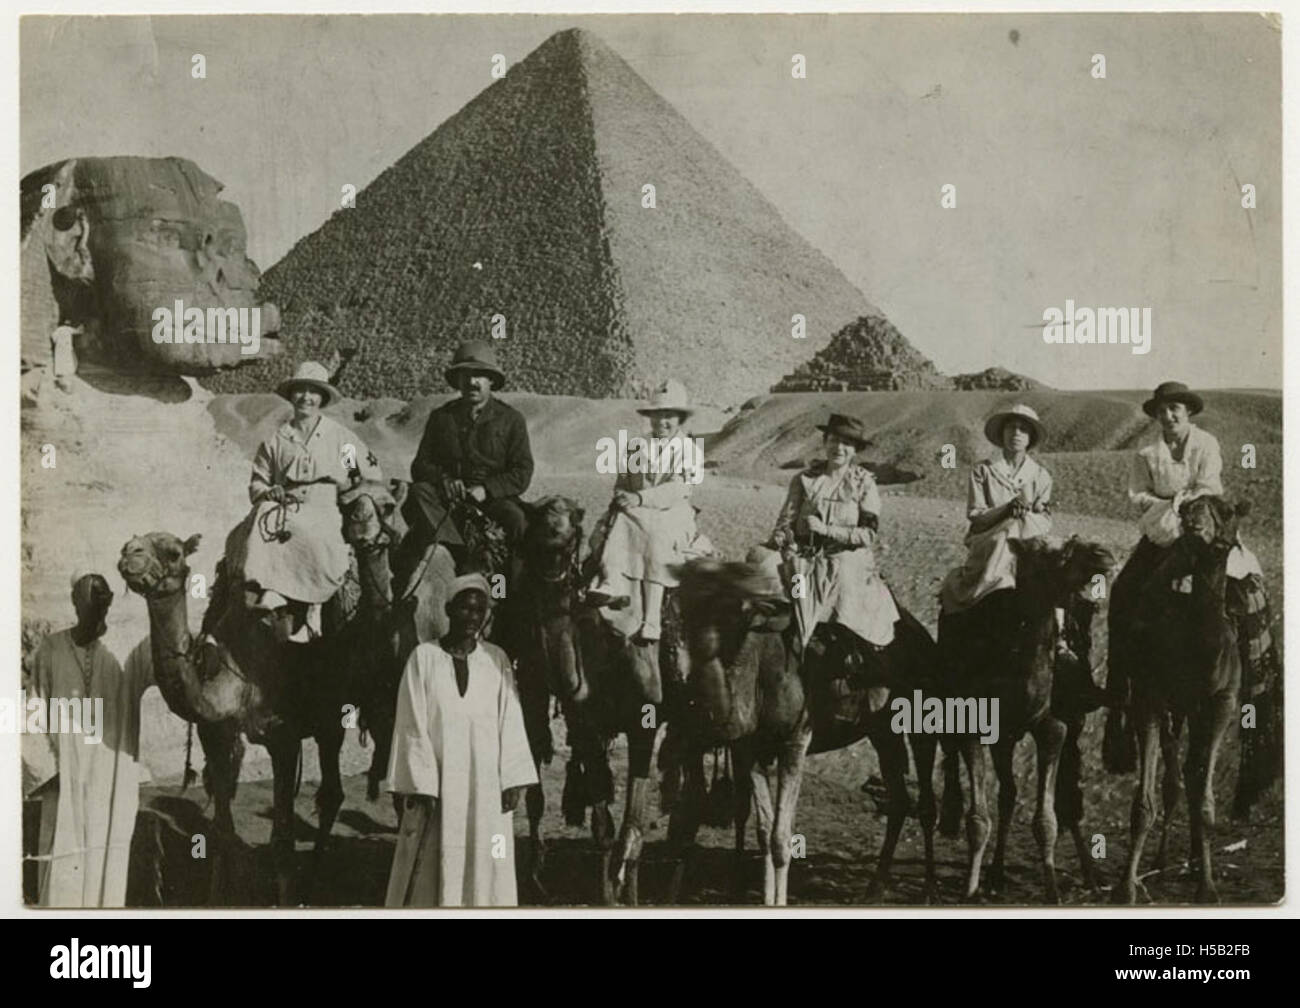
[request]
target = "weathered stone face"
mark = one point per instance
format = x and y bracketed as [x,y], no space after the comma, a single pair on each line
[131,236]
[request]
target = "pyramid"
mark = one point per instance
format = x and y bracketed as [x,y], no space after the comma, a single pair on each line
[867,355]
[527,204]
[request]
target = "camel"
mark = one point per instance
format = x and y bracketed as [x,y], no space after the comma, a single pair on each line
[606,684]
[1186,666]
[234,677]
[1004,649]
[752,687]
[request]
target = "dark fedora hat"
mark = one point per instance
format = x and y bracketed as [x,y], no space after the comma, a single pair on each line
[474,355]
[1173,391]
[846,428]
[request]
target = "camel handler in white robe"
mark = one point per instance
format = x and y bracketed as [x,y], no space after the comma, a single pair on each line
[460,761]
[826,534]
[87,782]
[290,551]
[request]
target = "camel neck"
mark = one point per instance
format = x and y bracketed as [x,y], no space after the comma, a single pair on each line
[168,616]
[376,577]
[1210,578]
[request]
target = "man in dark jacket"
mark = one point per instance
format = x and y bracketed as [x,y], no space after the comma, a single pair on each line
[475,448]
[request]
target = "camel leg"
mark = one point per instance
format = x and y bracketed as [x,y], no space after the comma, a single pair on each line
[1049,735]
[950,812]
[891,749]
[285,752]
[1087,869]
[601,781]
[977,818]
[536,708]
[602,832]
[684,821]
[222,754]
[742,755]
[1069,800]
[789,777]
[1168,788]
[1003,751]
[1205,737]
[923,750]
[535,805]
[640,748]
[592,754]
[329,799]
[764,816]
[1144,803]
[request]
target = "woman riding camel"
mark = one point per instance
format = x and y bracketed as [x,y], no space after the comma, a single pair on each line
[826,533]
[1008,497]
[651,522]
[294,557]
[1179,464]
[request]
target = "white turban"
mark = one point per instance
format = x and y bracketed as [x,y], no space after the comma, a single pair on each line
[466,582]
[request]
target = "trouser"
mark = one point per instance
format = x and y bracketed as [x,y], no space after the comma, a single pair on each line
[429,522]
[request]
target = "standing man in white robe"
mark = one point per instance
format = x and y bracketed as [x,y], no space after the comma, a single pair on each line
[460,761]
[92,804]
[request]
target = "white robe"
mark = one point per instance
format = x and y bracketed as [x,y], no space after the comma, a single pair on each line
[98,794]
[463,751]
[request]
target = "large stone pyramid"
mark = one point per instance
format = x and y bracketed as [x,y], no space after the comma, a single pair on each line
[528,203]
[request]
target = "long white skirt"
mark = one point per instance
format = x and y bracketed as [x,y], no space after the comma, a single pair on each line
[990,565]
[297,551]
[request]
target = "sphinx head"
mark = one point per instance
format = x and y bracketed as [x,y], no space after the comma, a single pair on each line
[146,257]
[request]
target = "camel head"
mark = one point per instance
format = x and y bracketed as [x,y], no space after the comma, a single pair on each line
[1211,522]
[721,601]
[370,514]
[1052,569]
[153,565]
[553,538]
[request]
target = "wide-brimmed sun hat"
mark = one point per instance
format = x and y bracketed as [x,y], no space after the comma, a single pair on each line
[993,425]
[1173,391]
[314,375]
[846,428]
[671,395]
[474,355]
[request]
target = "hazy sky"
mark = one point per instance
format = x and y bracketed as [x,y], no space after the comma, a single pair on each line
[1122,192]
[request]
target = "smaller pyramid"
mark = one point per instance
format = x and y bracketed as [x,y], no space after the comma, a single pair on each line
[867,355]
